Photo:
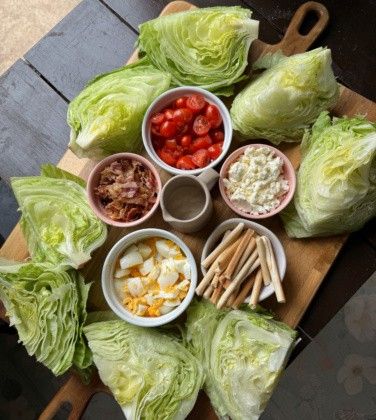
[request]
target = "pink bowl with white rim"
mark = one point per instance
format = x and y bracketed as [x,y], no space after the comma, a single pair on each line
[288,174]
[93,182]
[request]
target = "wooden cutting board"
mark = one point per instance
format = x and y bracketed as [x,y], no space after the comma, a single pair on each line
[308,260]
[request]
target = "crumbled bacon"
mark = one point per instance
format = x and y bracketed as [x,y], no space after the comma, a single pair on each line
[127,190]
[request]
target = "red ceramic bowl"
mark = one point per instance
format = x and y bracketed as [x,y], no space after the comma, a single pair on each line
[288,173]
[93,182]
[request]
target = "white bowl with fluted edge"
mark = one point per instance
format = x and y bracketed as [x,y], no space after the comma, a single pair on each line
[166,99]
[109,266]
[230,224]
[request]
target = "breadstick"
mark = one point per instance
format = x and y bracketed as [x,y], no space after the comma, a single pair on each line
[240,298]
[237,281]
[208,292]
[276,280]
[264,265]
[237,254]
[210,273]
[248,251]
[216,294]
[223,245]
[216,278]
[256,290]
[226,255]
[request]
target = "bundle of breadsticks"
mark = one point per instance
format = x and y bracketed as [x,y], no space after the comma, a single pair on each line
[238,266]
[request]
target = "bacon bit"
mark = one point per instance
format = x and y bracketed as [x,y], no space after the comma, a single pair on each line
[127,190]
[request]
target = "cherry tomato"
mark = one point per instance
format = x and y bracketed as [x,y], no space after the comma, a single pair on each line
[213,116]
[201,143]
[182,115]
[217,136]
[181,102]
[168,129]
[168,113]
[185,162]
[215,150]
[167,157]
[182,128]
[178,152]
[155,130]
[170,144]
[196,102]
[186,140]
[201,158]
[157,118]
[201,125]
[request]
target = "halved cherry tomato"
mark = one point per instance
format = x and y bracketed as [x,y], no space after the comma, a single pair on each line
[201,125]
[181,102]
[185,162]
[201,158]
[170,144]
[169,113]
[201,143]
[217,136]
[178,152]
[215,150]
[168,129]
[182,115]
[213,116]
[167,157]
[186,140]
[157,118]
[196,102]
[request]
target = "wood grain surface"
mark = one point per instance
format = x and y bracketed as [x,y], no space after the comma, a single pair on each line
[308,260]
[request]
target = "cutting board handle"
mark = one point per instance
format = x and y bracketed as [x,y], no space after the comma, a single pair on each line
[294,42]
[74,393]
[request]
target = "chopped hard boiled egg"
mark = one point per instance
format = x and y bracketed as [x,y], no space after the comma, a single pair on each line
[152,277]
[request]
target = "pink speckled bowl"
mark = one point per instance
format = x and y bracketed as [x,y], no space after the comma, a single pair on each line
[93,182]
[288,173]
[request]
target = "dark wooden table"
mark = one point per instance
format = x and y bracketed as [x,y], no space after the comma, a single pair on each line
[99,35]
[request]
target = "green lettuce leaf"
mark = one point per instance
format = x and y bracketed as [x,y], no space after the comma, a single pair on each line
[57,221]
[285,99]
[151,374]
[336,181]
[106,117]
[47,307]
[205,47]
[243,354]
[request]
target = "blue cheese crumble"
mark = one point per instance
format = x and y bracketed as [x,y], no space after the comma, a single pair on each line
[255,183]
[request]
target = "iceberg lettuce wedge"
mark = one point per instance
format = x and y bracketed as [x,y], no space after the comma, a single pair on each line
[206,47]
[57,221]
[106,117]
[336,181]
[287,97]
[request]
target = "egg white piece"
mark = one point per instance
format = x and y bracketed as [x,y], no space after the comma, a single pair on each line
[165,309]
[166,295]
[121,273]
[183,284]
[135,286]
[141,309]
[172,303]
[182,266]
[144,250]
[165,249]
[119,285]
[147,266]
[154,273]
[167,278]
[130,259]
[150,299]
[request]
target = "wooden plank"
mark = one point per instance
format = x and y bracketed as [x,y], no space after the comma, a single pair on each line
[32,120]
[8,210]
[88,41]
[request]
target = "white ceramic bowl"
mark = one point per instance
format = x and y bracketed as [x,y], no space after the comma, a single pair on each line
[261,230]
[108,274]
[167,98]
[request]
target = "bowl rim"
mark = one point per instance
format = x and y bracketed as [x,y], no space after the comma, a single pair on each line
[286,199]
[107,271]
[211,98]
[279,251]
[94,202]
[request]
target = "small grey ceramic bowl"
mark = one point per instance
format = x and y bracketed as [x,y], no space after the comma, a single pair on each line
[261,230]
[166,99]
[108,274]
